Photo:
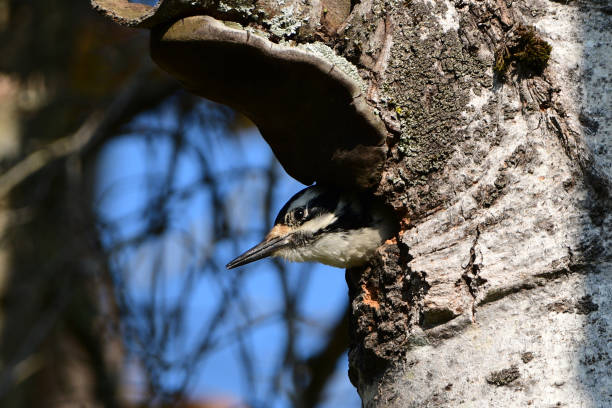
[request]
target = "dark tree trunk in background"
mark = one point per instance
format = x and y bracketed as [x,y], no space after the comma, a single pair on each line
[52,354]
[64,87]
[497,116]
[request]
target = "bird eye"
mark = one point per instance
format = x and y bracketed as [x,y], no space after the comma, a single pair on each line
[298,214]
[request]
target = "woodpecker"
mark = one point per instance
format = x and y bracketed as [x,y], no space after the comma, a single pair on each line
[320,224]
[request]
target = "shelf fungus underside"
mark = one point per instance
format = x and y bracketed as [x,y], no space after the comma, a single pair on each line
[309,109]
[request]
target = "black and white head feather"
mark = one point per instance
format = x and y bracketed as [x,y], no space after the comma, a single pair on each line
[324,225]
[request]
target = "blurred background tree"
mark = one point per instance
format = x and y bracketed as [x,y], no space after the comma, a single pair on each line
[121,199]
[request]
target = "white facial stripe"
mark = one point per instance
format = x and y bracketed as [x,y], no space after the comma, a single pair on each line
[318,223]
[323,220]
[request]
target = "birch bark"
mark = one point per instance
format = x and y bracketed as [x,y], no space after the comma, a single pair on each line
[500,294]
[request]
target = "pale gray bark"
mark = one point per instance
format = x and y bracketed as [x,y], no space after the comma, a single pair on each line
[517,258]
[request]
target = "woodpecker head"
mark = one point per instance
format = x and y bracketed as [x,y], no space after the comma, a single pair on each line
[323,225]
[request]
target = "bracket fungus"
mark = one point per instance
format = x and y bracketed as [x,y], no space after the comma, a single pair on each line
[307,102]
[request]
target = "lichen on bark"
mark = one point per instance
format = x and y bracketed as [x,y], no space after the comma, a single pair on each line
[485,188]
[429,84]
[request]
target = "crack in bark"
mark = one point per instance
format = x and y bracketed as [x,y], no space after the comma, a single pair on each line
[470,276]
[576,150]
[538,281]
[540,93]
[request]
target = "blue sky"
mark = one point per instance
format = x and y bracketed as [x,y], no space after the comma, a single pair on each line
[131,169]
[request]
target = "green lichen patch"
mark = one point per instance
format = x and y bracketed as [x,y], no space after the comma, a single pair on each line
[427,103]
[339,62]
[243,7]
[284,25]
[526,49]
[426,89]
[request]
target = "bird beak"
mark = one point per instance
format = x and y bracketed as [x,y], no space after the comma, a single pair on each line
[262,250]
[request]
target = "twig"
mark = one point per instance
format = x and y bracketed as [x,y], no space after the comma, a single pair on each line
[59,148]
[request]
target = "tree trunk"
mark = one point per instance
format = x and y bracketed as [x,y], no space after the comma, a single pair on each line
[499,294]
[59,98]
[496,157]
[51,353]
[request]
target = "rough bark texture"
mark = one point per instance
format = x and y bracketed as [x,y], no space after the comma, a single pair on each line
[498,289]
[505,186]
